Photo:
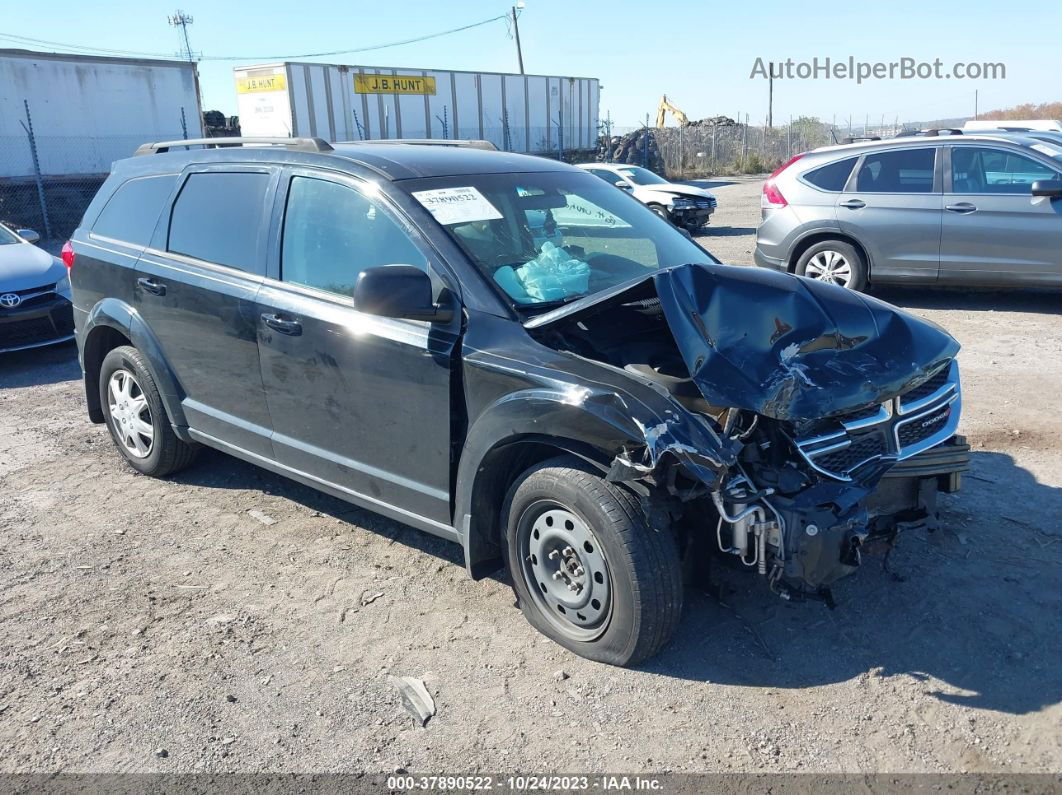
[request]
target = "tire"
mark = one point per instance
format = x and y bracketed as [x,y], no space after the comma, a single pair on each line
[629,576]
[661,211]
[834,262]
[131,408]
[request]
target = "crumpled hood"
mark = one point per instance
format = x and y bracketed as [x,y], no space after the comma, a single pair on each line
[24,266]
[784,346]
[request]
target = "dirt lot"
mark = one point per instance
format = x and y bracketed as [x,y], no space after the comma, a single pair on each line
[231,620]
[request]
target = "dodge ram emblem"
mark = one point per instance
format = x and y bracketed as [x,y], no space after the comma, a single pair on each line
[10,300]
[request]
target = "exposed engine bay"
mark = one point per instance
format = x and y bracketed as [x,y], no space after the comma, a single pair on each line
[836,443]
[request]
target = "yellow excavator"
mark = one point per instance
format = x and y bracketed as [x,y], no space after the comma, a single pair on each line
[666,107]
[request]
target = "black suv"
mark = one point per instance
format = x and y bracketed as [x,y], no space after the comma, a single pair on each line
[509,353]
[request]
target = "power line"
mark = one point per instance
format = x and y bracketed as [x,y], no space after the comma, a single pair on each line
[356,49]
[83,47]
[87,49]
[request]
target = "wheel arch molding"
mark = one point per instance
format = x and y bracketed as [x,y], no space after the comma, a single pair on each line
[526,427]
[112,323]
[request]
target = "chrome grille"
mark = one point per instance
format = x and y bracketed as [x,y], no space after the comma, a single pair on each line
[926,388]
[861,450]
[905,426]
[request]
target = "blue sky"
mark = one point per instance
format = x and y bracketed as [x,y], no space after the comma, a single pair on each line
[700,54]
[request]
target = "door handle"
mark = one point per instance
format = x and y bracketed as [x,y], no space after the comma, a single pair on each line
[962,207]
[283,325]
[853,204]
[151,286]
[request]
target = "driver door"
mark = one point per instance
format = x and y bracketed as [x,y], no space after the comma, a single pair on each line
[995,231]
[357,401]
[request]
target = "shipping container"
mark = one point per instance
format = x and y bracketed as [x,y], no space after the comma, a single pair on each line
[88,111]
[519,113]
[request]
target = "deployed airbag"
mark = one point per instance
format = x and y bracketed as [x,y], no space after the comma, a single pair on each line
[551,276]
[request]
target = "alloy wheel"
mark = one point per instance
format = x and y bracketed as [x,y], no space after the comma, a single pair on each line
[831,267]
[565,569]
[130,414]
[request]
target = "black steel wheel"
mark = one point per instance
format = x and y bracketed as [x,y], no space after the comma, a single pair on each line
[588,570]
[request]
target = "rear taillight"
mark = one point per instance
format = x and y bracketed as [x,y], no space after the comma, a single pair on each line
[772,196]
[67,255]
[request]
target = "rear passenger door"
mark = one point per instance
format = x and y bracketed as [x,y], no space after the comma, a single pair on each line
[893,208]
[357,401]
[196,289]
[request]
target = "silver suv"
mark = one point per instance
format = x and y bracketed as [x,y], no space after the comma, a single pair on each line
[967,210]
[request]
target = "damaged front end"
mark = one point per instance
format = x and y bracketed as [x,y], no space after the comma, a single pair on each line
[835,413]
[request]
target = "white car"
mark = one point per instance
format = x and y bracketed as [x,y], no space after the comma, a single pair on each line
[684,205]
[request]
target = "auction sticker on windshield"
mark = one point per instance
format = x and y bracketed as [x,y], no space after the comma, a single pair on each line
[457,205]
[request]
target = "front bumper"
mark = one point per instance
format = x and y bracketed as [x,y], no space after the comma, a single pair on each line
[691,216]
[48,320]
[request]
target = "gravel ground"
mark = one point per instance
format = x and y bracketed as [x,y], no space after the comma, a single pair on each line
[230,620]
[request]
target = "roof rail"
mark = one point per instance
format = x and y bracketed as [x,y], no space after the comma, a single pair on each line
[297,144]
[932,132]
[469,143]
[855,139]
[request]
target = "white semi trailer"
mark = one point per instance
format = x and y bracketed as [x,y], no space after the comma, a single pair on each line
[88,111]
[518,113]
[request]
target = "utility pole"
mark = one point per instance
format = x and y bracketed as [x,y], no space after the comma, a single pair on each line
[975,103]
[516,34]
[181,20]
[770,94]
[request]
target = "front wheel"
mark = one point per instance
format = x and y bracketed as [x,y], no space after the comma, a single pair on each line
[834,262]
[588,570]
[661,211]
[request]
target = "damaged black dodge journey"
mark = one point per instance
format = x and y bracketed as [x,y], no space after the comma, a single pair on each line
[509,353]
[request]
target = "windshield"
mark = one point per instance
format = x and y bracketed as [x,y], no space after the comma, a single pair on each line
[642,176]
[547,238]
[6,237]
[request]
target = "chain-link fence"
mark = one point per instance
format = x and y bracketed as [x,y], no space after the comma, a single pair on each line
[47,181]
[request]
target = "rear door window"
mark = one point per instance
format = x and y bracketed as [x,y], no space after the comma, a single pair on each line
[217,218]
[833,176]
[610,177]
[897,171]
[132,211]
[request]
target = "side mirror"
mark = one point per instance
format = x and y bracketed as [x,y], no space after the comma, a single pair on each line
[398,291]
[28,235]
[1047,187]
[621,184]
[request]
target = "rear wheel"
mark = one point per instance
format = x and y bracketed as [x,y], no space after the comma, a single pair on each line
[136,418]
[834,262]
[587,569]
